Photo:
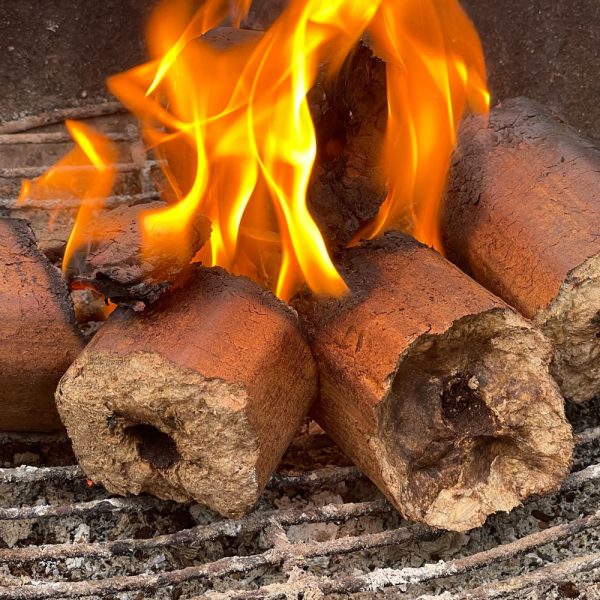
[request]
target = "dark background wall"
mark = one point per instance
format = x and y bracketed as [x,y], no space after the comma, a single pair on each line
[59,52]
[548,50]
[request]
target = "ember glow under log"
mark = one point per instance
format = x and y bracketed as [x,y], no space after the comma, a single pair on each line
[38,335]
[196,398]
[437,390]
[522,216]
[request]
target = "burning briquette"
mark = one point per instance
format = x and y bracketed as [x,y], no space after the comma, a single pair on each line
[437,390]
[39,337]
[196,398]
[522,217]
[117,262]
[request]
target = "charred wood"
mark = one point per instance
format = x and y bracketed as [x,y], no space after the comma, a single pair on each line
[120,265]
[195,398]
[350,115]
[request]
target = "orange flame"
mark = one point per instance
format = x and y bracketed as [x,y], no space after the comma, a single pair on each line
[234,130]
[87,173]
[435,71]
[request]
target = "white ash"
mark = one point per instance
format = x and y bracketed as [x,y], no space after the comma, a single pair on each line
[538,514]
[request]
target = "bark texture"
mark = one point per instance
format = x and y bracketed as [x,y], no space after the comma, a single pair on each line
[522,216]
[38,334]
[437,390]
[196,398]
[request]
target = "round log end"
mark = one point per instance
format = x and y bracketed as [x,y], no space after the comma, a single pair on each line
[472,423]
[196,398]
[142,424]
[572,322]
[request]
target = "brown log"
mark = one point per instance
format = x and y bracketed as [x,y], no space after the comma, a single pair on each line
[523,218]
[121,266]
[38,335]
[196,398]
[437,390]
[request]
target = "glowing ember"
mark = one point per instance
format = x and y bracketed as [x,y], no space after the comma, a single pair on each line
[235,131]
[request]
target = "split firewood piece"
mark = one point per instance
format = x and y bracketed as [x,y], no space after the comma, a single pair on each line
[523,218]
[195,398]
[437,390]
[38,334]
[122,266]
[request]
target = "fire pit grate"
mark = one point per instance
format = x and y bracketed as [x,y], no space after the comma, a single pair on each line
[320,529]
[65,538]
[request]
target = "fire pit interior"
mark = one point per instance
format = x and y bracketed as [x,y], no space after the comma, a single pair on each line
[298,308]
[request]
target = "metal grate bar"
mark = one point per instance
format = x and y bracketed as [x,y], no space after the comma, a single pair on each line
[251,524]
[382,578]
[312,479]
[588,436]
[299,553]
[220,568]
[31,172]
[8,437]
[88,111]
[545,576]
[590,474]
[95,507]
[74,203]
[59,137]
[27,475]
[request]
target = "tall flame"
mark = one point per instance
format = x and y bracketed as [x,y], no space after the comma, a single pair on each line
[234,130]
[435,71]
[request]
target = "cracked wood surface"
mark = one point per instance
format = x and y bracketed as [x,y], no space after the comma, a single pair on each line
[522,216]
[435,388]
[195,398]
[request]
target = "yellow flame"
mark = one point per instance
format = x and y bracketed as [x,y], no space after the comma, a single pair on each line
[234,131]
[435,72]
[85,174]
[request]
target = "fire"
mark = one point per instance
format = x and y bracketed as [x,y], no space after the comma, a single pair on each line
[87,173]
[435,71]
[235,136]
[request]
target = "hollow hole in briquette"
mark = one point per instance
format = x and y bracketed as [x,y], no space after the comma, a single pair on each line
[154,446]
